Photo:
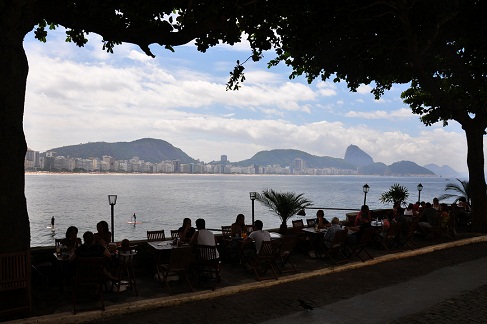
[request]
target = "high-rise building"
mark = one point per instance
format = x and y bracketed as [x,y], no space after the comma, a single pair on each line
[223,159]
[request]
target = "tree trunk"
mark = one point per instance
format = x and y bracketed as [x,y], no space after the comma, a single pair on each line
[283,228]
[476,173]
[14,221]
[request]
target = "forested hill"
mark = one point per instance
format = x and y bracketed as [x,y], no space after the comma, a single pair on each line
[287,157]
[147,149]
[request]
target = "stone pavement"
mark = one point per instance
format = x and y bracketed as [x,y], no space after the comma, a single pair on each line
[448,284]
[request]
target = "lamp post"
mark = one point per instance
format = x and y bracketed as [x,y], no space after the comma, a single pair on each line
[253,194]
[420,187]
[112,200]
[365,188]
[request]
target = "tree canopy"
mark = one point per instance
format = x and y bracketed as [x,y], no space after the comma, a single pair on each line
[437,46]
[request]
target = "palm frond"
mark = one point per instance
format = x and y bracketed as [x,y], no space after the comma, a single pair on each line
[284,204]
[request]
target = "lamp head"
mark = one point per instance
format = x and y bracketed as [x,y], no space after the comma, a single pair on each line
[420,187]
[112,199]
[366,188]
[253,194]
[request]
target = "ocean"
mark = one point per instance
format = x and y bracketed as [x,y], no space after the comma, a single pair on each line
[162,201]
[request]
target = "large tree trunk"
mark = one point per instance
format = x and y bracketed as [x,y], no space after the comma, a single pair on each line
[475,162]
[14,221]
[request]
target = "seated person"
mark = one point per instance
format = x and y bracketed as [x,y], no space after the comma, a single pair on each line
[186,231]
[258,236]
[330,233]
[90,249]
[363,213]
[71,241]
[357,231]
[203,236]
[321,221]
[409,213]
[103,236]
[427,219]
[239,226]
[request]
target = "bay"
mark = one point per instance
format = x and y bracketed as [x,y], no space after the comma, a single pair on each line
[162,201]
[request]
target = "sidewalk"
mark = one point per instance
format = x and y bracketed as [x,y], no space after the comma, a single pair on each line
[462,281]
[441,283]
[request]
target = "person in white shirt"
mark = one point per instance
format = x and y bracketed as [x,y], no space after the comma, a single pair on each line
[258,236]
[203,236]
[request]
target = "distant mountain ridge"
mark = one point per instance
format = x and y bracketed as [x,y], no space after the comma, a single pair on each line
[156,150]
[147,149]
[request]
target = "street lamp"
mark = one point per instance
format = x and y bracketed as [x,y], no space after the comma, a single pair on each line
[253,194]
[420,187]
[112,200]
[365,188]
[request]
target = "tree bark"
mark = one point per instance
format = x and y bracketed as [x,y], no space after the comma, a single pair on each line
[476,173]
[14,220]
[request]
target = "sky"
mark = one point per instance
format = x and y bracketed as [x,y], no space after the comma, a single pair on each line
[79,95]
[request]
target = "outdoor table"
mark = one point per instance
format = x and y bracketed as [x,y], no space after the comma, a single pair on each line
[63,271]
[315,238]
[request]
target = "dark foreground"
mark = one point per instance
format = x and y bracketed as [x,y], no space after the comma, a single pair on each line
[240,298]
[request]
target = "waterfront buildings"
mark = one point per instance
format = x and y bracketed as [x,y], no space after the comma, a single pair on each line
[50,161]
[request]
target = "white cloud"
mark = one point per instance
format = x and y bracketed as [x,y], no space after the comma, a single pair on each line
[403,113]
[82,95]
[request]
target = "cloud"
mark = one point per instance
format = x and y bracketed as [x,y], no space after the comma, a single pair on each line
[403,113]
[81,95]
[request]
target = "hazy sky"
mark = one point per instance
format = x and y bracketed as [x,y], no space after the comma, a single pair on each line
[80,95]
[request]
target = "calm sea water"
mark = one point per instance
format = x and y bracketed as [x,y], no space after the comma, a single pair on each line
[162,201]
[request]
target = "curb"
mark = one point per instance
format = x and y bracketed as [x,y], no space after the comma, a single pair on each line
[155,303]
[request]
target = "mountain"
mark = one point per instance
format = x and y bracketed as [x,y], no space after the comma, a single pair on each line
[147,149]
[444,171]
[408,168]
[355,156]
[287,157]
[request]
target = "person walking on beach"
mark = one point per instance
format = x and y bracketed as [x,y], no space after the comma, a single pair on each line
[52,222]
[135,218]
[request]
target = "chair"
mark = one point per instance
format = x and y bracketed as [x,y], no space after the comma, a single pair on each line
[179,262]
[207,263]
[89,274]
[409,241]
[174,234]
[311,222]
[124,271]
[15,275]
[303,240]
[298,225]
[284,251]
[156,236]
[263,260]
[365,239]
[337,245]
[391,238]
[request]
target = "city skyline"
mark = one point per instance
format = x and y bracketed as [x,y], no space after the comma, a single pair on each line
[79,95]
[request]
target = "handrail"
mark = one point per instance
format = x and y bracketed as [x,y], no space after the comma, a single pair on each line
[332,208]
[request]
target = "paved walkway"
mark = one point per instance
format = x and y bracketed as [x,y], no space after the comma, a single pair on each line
[436,284]
[433,292]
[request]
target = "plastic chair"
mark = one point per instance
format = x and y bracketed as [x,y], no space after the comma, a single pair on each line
[391,237]
[124,271]
[174,234]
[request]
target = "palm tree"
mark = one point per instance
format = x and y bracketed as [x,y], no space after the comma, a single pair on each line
[462,190]
[397,194]
[284,204]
